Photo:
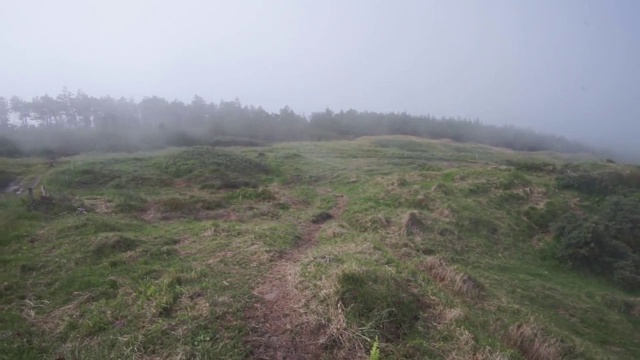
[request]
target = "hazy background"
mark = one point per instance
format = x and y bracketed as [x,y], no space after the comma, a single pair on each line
[568,67]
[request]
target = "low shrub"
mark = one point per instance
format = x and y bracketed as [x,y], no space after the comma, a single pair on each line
[600,183]
[606,243]
[544,218]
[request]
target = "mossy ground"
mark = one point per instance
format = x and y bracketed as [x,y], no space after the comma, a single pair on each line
[442,252]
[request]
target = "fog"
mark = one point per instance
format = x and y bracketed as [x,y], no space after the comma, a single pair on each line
[567,67]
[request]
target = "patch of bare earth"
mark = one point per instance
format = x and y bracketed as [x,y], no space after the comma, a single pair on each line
[278,326]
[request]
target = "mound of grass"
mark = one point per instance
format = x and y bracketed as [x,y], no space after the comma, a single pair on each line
[379,303]
[534,344]
[412,224]
[85,177]
[91,224]
[370,223]
[624,305]
[514,179]
[228,183]
[110,244]
[177,205]
[402,144]
[532,166]
[190,206]
[235,141]
[279,237]
[130,202]
[110,173]
[460,283]
[252,194]
[206,164]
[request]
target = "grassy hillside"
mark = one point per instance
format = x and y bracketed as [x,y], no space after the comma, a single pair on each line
[423,249]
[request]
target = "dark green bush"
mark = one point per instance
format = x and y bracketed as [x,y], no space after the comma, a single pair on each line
[544,218]
[606,243]
[600,183]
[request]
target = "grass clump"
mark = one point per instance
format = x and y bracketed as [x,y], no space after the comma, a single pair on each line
[370,223]
[514,179]
[203,164]
[379,303]
[534,344]
[624,305]
[279,238]
[412,225]
[402,144]
[130,202]
[252,194]
[458,282]
[110,244]
[96,175]
[532,166]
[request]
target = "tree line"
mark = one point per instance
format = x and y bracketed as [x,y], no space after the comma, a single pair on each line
[74,123]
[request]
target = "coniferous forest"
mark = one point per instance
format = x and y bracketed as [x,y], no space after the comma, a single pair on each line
[71,123]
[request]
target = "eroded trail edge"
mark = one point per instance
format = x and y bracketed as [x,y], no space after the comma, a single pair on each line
[278,328]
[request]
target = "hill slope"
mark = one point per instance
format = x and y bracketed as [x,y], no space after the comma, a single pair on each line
[311,250]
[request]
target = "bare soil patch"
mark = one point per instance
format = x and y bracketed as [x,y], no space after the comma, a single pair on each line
[277,321]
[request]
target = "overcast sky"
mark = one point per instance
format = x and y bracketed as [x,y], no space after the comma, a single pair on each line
[568,67]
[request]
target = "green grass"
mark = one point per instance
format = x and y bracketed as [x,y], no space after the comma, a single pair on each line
[164,263]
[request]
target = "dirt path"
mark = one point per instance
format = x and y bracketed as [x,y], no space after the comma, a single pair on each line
[16,185]
[278,328]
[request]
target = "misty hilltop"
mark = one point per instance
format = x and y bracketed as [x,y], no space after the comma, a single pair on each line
[70,124]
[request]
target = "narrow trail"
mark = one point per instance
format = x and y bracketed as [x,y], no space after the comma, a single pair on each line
[277,323]
[36,181]
[17,186]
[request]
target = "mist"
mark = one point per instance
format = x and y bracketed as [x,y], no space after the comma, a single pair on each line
[570,68]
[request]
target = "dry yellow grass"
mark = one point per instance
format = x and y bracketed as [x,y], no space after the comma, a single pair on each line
[456,281]
[531,341]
